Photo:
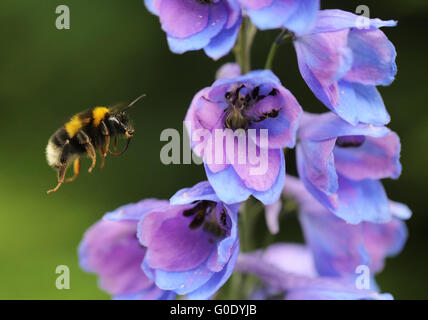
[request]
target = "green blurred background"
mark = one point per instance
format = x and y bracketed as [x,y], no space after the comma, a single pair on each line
[114,51]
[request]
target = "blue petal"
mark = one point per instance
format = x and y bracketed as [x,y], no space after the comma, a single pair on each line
[256,77]
[223,43]
[152,293]
[201,191]
[400,210]
[228,185]
[271,17]
[183,282]
[150,6]
[326,126]
[337,246]
[335,20]
[363,200]
[360,103]
[217,280]
[326,293]
[304,16]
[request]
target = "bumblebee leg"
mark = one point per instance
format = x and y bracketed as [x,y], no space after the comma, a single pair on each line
[61,175]
[63,168]
[104,149]
[115,146]
[76,167]
[84,140]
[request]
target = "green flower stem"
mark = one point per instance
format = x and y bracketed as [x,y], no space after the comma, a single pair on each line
[242,49]
[284,35]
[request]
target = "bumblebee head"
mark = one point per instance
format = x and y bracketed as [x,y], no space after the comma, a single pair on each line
[120,124]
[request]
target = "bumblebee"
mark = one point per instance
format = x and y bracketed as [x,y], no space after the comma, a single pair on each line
[84,134]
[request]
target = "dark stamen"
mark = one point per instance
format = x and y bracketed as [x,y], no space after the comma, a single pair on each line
[198,220]
[204,216]
[223,218]
[274,92]
[350,141]
[255,92]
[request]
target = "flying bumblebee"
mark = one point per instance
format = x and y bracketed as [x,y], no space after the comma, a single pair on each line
[85,133]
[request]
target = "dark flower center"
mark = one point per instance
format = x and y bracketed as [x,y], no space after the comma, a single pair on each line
[204,215]
[206,1]
[350,141]
[240,101]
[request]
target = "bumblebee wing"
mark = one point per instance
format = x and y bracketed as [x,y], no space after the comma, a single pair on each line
[124,106]
[118,107]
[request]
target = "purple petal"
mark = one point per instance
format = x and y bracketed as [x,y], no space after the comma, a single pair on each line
[152,293]
[376,158]
[328,200]
[217,280]
[153,6]
[255,78]
[345,293]
[261,175]
[334,20]
[173,246]
[324,58]
[224,42]
[273,194]
[281,129]
[256,4]
[336,245]
[151,222]
[183,18]
[363,200]
[110,249]
[294,258]
[317,164]
[201,191]
[226,246]
[299,286]
[228,71]
[135,211]
[215,25]
[374,58]
[326,126]
[384,240]
[272,212]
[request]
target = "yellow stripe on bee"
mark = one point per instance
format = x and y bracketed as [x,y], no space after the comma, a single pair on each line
[73,126]
[98,114]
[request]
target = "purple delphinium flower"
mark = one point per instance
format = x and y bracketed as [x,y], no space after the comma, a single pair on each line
[339,248]
[288,270]
[228,71]
[341,164]
[243,109]
[297,16]
[212,25]
[192,245]
[342,59]
[111,249]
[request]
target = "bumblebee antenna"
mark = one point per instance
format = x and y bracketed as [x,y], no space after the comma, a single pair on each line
[134,102]
[123,106]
